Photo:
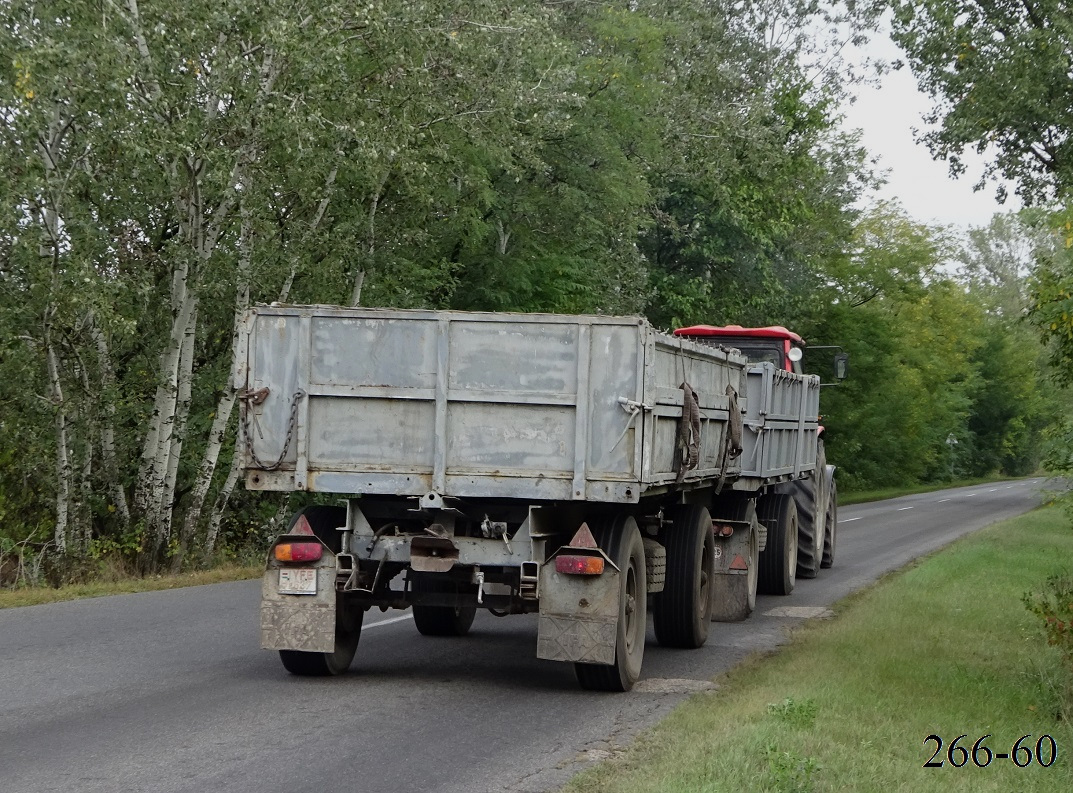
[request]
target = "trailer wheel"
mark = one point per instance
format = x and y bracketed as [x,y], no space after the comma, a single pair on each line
[778,562]
[830,531]
[324,520]
[620,539]
[440,620]
[348,621]
[682,612]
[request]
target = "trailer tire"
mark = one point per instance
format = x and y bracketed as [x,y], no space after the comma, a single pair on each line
[348,621]
[620,539]
[440,620]
[324,520]
[778,562]
[682,612]
[830,530]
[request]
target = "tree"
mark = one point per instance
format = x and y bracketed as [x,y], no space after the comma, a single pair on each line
[1000,74]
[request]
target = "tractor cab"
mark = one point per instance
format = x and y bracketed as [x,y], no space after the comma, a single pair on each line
[774,344]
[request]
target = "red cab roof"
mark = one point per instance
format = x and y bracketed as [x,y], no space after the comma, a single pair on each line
[771,332]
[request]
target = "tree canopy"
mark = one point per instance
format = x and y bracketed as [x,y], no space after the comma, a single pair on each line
[166,165]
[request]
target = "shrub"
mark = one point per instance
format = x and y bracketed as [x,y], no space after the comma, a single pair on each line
[1054,606]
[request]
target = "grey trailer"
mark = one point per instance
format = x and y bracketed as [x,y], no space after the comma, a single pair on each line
[590,469]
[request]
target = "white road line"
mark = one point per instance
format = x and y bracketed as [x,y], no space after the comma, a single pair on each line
[941,500]
[903,509]
[970,494]
[848,520]
[992,490]
[409,616]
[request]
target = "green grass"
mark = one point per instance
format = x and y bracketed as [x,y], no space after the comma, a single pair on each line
[34,596]
[945,647]
[845,498]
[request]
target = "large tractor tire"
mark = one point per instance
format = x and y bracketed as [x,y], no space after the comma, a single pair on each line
[830,527]
[778,561]
[810,531]
[682,612]
[811,516]
[620,539]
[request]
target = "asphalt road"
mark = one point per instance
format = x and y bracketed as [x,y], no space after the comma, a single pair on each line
[168,691]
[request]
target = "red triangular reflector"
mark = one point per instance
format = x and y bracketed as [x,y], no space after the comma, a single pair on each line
[583,538]
[739,563]
[302,527]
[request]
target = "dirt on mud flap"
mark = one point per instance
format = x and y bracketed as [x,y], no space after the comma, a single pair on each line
[298,606]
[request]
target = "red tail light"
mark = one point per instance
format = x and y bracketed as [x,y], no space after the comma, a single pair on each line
[298,551]
[579,565]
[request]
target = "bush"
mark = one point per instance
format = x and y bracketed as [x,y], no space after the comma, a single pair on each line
[1054,605]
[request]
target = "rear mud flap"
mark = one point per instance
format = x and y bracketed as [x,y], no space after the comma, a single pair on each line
[298,622]
[733,593]
[578,616]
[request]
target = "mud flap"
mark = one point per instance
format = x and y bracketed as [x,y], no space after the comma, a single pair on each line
[733,585]
[578,616]
[298,622]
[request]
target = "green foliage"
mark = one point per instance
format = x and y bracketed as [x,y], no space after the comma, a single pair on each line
[789,772]
[1051,288]
[678,160]
[1053,605]
[999,73]
[799,713]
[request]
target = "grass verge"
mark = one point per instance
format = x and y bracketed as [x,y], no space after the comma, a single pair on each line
[34,596]
[944,648]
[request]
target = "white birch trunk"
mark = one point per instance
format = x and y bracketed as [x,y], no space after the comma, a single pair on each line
[226,403]
[178,433]
[164,402]
[85,516]
[82,523]
[217,435]
[115,486]
[64,474]
[370,241]
[201,229]
[151,482]
[359,281]
[503,238]
[220,506]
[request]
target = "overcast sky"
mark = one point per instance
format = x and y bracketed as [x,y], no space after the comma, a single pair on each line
[887,115]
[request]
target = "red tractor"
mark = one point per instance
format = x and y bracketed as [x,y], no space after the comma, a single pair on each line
[817,494]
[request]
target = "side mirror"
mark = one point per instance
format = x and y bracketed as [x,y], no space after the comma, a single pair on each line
[841,365]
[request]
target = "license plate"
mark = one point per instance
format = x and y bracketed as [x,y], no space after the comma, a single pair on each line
[298,581]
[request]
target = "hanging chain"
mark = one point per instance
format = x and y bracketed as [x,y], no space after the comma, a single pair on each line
[256,398]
